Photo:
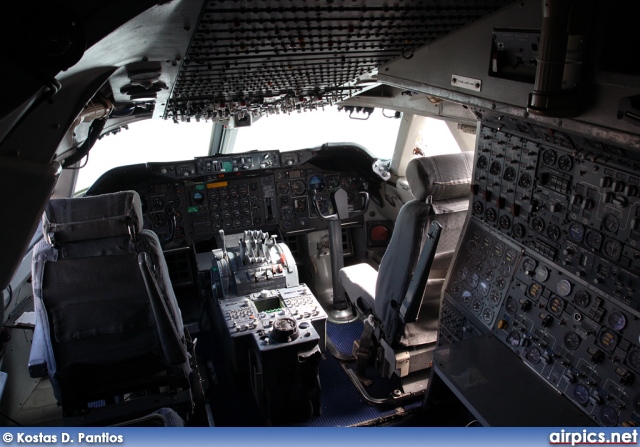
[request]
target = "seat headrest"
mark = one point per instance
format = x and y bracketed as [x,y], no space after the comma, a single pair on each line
[95,217]
[442,176]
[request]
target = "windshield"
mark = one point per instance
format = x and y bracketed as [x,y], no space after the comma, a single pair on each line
[145,141]
[287,132]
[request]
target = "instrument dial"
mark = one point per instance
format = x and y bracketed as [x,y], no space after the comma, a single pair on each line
[511,306]
[553,232]
[581,298]
[500,282]
[529,265]
[533,355]
[490,214]
[563,288]
[495,296]
[576,231]
[537,224]
[608,416]
[286,212]
[525,181]
[478,207]
[541,273]
[617,320]
[298,187]
[593,240]
[487,315]
[509,174]
[608,339]
[283,187]
[610,223]
[476,306]
[518,231]
[633,360]
[157,203]
[565,163]
[549,157]
[572,340]
[581,394]
[513,339]
[613,249]
[495,168]
[173,201]
[317,183]
[504,222]
[482,162]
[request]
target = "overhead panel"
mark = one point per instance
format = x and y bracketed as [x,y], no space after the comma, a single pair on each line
[274,56]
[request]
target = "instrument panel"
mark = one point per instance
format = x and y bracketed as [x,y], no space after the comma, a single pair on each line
[188,202]
[549,263]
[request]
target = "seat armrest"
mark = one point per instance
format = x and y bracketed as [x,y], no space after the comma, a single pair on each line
[37,358]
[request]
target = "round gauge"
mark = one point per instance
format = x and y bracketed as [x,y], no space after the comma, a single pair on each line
[224,204]
[159,219]
[553,232]
[572,340]
[233,192]
[317,183]
[488,275]
[511,306]
[608,339]
[456,289]
[541,273]
[556,306]
[518,231]
[500,282]
[537,224]
[245,201]
[511,255]
[466,297]
[633,360]
[346,182]
[484,288]
[608,416]
[482,162]
[286,212]
[487,315]
[494,296]
[472,246]
[478,207]
[157,203]
[235,203]
[581,298]
[476,306]
[593,240]
[513,339]
[213,194]
[613,249]
[494,261]
[283,188]
[617,320]
[504,222]
[173,201]
[495,168]
[490,214]
[226,215]
[243,190]
[298,187]
[323,206]
[498,248]
[525,181]
[224,193]
[581,394]
[565,163]
[505,269]
[563,288]
[463,273]
[610,223]
[509,174]
[533,355]
[255,197]
[576,231]
[529,265]
[549,157]
[478,266]
[474,279]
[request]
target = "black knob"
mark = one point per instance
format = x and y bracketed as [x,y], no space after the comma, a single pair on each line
[284,330]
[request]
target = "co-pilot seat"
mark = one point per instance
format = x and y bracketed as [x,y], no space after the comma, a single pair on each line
[441,187]
[108,327]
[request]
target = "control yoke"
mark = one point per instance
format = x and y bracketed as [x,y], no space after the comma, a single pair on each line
[339,311]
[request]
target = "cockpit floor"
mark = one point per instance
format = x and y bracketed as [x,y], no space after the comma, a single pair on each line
[232,402]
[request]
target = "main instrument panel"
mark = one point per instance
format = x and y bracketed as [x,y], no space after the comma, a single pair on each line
[188,202]
[549,263]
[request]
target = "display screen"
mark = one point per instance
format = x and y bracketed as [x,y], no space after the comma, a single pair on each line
[268,304]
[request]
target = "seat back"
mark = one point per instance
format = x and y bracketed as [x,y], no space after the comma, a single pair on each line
[108,329]
[440,185]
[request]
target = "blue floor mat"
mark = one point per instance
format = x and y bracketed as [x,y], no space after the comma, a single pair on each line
[233,403]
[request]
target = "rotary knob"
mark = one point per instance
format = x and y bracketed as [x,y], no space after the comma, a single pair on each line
[285,330]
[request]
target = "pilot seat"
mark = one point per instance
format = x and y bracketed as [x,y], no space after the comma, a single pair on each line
[402,347]
[109,332]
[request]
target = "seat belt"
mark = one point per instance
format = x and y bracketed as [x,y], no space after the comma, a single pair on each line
[363,353]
